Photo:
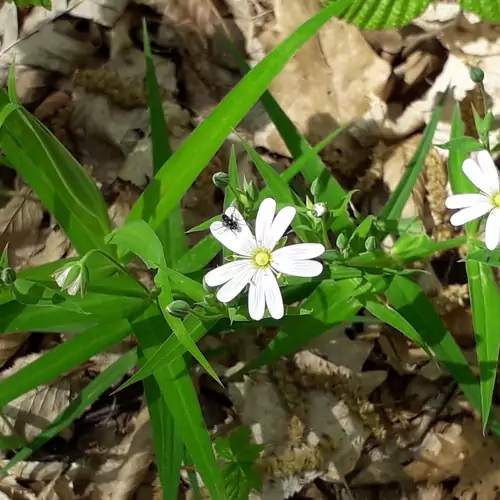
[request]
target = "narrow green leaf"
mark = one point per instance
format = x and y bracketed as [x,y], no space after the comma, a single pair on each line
[57,178]
[12,85]
[399,197]
[175,177]
[467,143]
[313,167]
[171,232]
[410,301]
[62,358]
[199,256]
[86,397]
[178,392]
[411,248]
[169,448]
[485,300]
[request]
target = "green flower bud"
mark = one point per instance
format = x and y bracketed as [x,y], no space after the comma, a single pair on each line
[371,244]
[341,241]
[315,188]
[221,180]
[251,192]
[8,276]
[179,308]
[476,74]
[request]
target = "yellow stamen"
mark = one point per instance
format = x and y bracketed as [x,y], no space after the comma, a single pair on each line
[262,258]
[496,200]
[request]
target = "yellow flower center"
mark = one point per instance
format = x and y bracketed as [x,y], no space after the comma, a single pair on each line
[496,200]
[262,258]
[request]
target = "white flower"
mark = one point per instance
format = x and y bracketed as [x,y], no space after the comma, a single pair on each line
[484,175]
[72,278]
[258,263]
[319,210]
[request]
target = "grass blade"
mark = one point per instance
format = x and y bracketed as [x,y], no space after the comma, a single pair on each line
[62,358]
[178,392]
[169,448]
[399,198]
[86,397]
[485,302]
[171,232]
[175,177]
[410,301]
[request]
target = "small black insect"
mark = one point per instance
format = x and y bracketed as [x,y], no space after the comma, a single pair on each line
[230,222]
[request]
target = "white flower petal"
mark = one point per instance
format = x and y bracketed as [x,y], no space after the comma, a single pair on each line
[223,274]
[264,220]
[476,175]
[74,288]
[489,170]
[235,286]
[61,276]
[492,230]
[301,268]
[240,243]
[465,200]
[470,213]
[300,251]
[280,224]
[256,297]
[243,229]
[272,293]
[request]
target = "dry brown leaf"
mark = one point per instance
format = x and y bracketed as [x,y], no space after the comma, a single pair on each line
[126,463]
[9,344]
[20,222]
[27,415]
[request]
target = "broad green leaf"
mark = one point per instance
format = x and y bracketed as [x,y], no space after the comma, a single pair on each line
[137,237]
[179,394]
[86,397]
[410,301]
[169,448]
[171,231]
[180,171]
[488,10]
[60,182]
[119,300]
[383,14]
[397,201]
[239,454]
[33,294]
[485,300]
[62,358]
[411,248]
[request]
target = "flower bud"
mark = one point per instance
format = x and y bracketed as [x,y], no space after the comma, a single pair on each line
[72,278]
[341,241]
[371,244]
[179,308]
[476,74]
[8,276]
[251,192]
[221,180]
[319,210]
